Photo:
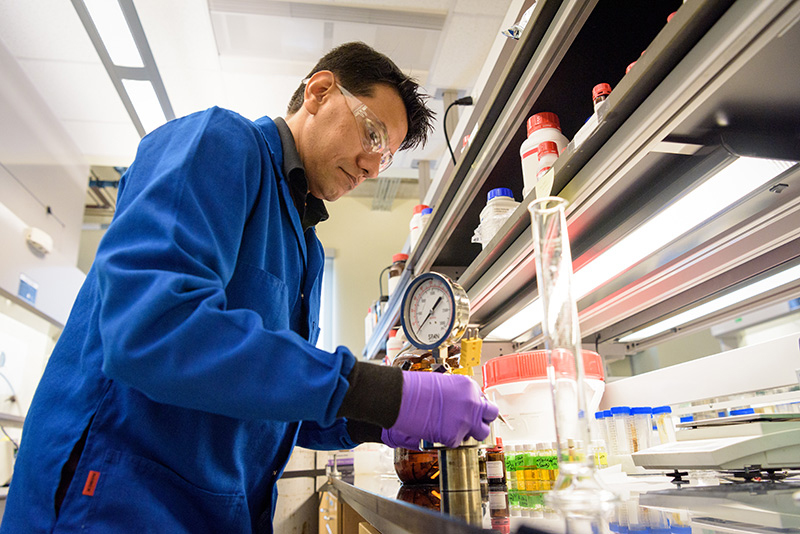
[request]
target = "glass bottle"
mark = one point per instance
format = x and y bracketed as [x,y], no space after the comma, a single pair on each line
[511,468]
[529,467]
[577,488]
[600,453]
[599,94]
[416,466]
[496,465]
[552,462]
[395,270]
[664,424]
[621,418]
[541,479]
[642,427]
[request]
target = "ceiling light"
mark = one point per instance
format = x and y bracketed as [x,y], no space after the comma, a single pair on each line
[114,31]
[145,101]
[720,303]
[724,188]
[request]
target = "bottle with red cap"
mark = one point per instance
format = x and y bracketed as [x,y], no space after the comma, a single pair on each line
[415,225]
[547,155]
[394,344]
[542,127]
[599,94]
[496,464]
[396,269]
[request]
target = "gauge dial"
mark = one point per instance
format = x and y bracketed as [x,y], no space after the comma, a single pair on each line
[435,311]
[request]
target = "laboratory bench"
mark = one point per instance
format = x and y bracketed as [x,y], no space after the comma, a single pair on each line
[649,504]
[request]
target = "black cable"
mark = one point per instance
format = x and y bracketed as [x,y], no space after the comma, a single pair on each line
[12,399]
[464,101]
[48,209]
[380,280]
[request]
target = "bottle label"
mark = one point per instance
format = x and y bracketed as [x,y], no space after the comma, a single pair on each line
[532,152]
[497,500]
[494,470]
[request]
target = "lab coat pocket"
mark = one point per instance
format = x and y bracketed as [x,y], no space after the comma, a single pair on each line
[130,493]
[261,291]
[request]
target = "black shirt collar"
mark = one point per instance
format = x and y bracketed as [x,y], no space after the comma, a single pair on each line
[310,208]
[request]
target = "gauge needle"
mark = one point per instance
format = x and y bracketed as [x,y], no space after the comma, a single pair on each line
[430,312]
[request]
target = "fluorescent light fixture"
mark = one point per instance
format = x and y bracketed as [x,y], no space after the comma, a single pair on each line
[145,102]
[520,322]
[727,186]
[736,180]
[114,31]
[734,297]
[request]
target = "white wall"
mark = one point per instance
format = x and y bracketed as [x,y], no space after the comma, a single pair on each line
[364,241]
[40,168]
[26,341]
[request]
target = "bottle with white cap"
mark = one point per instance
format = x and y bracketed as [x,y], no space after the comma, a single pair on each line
[542,127]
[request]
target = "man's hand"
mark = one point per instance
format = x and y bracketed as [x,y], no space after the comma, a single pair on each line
[441,409]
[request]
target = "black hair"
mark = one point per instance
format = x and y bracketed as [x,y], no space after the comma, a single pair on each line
[358,68]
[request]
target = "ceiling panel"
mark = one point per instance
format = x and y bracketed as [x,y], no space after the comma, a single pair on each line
[105,143]
[76,91]
[179,33]
[191,90]
[461,54]
[255,95]
[411,48]
[268,37]
[44,29]
[417,6]
[238,54]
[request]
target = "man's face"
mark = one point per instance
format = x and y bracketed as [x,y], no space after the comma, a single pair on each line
[333,154]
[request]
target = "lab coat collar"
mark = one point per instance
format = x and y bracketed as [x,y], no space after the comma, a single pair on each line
[311,209]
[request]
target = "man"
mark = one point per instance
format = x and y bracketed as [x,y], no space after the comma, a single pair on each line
[187,370]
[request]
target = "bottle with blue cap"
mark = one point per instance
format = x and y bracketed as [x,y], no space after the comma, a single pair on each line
[664,424]
[621,415]
[641,427]
[500,204]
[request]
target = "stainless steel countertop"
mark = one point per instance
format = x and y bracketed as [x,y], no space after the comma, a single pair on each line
[648,503]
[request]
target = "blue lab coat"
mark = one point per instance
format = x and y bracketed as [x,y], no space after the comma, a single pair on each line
[189,355]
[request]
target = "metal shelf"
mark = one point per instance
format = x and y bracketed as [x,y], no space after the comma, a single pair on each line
[659,125]
[632,166]
[511,62]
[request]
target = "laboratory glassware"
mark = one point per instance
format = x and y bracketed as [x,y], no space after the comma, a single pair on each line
[577,489]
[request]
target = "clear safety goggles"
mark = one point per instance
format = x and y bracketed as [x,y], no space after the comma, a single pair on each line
[374,135]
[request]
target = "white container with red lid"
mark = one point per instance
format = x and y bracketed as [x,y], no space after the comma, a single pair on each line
[542,127]
[518,384]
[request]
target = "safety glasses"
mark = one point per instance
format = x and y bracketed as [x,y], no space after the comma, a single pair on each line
[374,135]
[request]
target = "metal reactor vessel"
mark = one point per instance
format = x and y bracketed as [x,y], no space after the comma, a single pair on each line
[435,315]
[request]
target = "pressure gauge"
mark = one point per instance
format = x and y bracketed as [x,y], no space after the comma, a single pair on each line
[435,311]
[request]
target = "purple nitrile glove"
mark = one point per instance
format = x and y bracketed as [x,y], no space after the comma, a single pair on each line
[441,409]
[396,439]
